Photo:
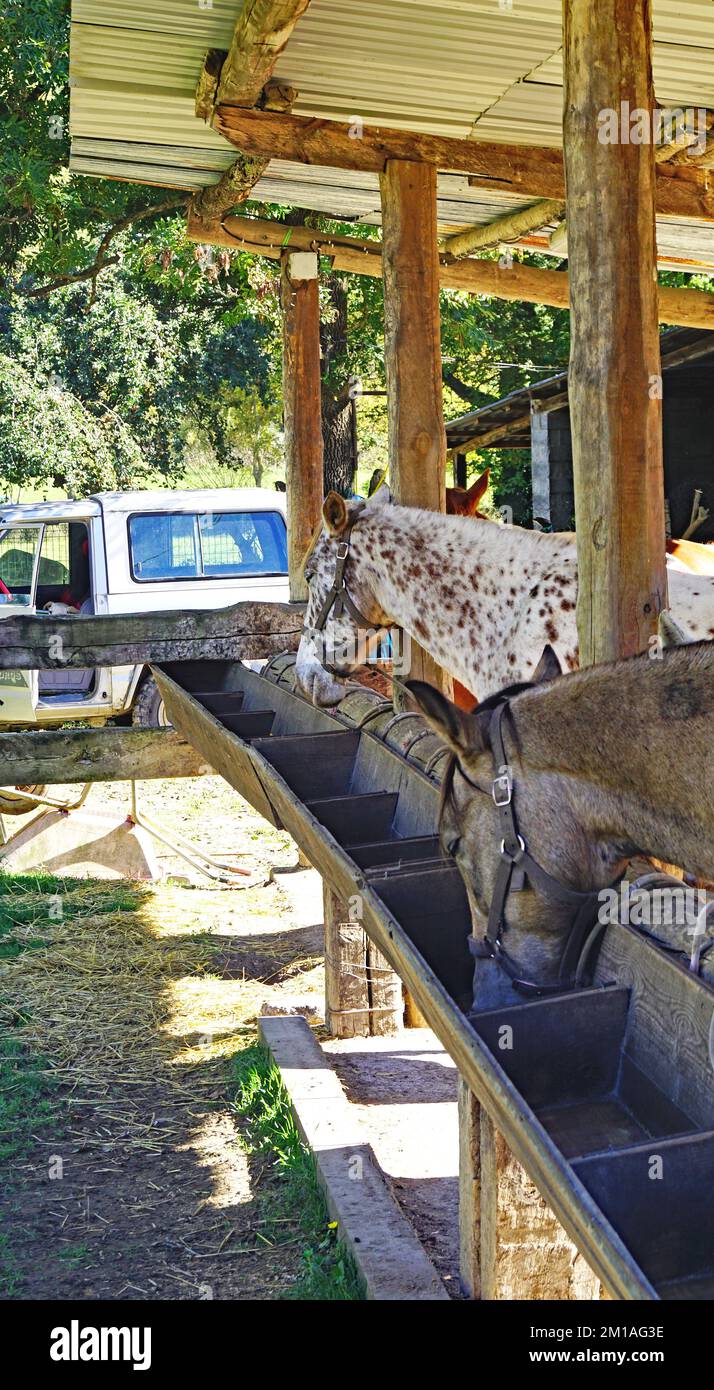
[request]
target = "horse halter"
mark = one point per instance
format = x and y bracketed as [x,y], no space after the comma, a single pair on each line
[338,598]
[517,867]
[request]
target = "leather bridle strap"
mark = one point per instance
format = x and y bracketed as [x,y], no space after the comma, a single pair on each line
[515,867]
[338,596]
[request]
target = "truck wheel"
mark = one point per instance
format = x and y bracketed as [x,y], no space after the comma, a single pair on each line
[149,711]
[17,801]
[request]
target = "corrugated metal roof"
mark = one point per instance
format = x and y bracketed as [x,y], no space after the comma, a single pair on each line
[456,67]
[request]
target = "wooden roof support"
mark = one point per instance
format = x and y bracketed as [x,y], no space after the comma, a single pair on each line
[615,366]
[262,30]
[233,188]
[260,237]
[412,352]
[237,183]
[533,170]
[300,303]
[508,228]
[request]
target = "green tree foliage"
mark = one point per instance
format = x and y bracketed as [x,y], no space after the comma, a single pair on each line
[252,443]
[151,349]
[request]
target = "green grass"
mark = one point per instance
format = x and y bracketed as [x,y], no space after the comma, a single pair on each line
[328,1273]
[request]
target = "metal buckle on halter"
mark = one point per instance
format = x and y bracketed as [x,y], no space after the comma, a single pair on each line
[343,550]
[502,789]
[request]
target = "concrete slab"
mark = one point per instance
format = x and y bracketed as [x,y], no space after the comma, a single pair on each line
[81,844]
[403,1091]
[392,1262]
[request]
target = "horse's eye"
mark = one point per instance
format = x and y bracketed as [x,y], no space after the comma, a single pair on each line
[452,846]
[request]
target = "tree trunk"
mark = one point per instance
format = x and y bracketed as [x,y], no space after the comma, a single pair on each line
[338,443]
[340,460]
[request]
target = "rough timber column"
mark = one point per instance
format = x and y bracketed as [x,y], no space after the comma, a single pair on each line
[300,300]
[615,369]
[412,348]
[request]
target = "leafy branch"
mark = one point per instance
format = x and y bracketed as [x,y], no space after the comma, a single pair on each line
[102,260]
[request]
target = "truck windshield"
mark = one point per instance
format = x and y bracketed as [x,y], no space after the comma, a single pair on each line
[214,545]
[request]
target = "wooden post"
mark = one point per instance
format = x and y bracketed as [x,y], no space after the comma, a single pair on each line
[615,367]
[363,996]
[460,473]
[300,301]
[525,1253]
[615,409]
[412,350]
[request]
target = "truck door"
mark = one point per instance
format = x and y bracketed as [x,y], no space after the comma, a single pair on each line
[19,560]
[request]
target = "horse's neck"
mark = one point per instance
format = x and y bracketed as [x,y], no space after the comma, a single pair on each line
[449,581]
[628,748]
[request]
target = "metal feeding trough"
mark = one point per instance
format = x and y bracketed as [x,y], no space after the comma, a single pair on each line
[606,1095]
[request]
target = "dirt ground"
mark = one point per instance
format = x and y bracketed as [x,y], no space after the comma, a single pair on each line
[146,1191]
[141,1010]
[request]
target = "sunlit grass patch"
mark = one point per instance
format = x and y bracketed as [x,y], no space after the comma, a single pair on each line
[328,1272]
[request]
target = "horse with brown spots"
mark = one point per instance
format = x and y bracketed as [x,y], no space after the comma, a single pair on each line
[469,619]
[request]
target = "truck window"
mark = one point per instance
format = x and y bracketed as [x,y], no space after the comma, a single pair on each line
[18,548]
[164,547]
[63,572]
[243,543]
[215,545]
[54,555]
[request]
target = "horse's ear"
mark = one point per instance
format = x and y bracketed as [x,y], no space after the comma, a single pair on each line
[670,632]
[548,667]
[461,731]
[335,513]
[478,490]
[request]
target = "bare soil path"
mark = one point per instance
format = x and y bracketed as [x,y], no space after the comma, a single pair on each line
[138,999]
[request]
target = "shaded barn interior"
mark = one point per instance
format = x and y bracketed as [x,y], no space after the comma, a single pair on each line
[537,418]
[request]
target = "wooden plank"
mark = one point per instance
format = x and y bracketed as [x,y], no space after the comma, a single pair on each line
[243,632]
[262,30]
[386,1001]
[302,413]
[615,367]
[412,353]
[532,170]
[469,1191]
[261,237]
[96,755]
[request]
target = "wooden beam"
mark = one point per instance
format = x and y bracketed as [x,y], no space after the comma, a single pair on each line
[261,237]
[507,228]
[207,85]
[233,188]
[534,170]
[237,183]
[615,367]
[262,30]
[243,632]
[59,756]
[300,304]
[412,351]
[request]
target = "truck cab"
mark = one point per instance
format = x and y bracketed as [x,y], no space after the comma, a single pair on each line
[129,552]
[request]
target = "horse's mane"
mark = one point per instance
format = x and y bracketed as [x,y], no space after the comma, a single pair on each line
[316,533]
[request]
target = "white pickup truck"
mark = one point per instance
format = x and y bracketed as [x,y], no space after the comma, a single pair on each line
[129,552]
